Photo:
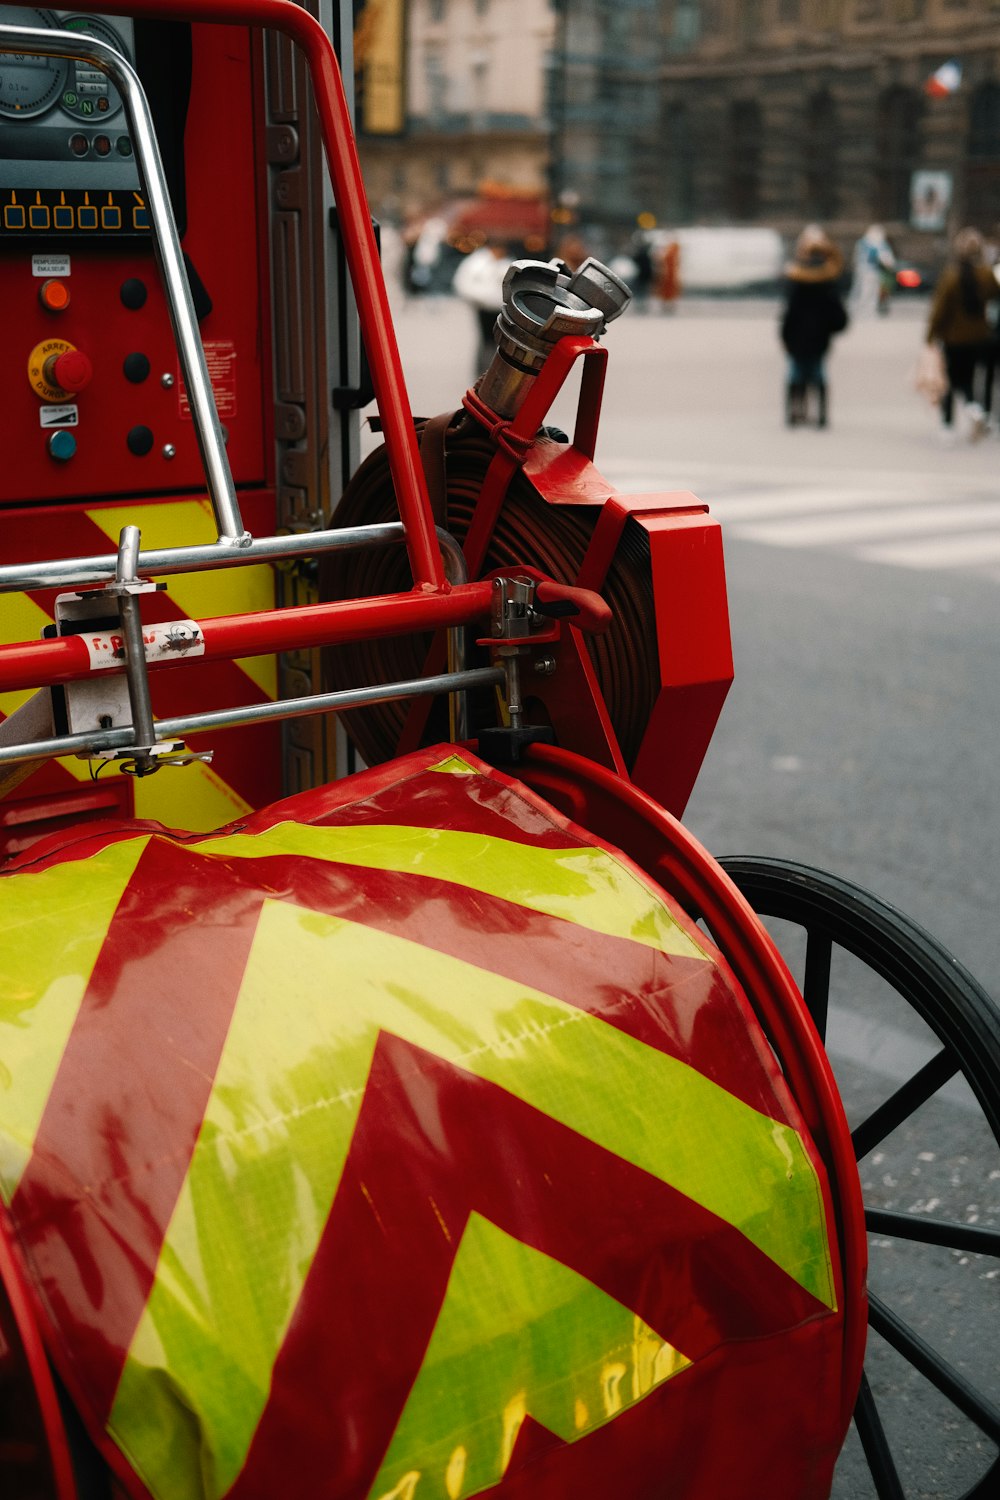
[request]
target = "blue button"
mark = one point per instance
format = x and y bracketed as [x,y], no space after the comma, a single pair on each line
[61,446]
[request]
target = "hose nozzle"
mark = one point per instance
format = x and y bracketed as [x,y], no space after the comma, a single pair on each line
[543,301]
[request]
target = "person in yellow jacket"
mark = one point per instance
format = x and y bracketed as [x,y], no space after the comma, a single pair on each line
[958,322]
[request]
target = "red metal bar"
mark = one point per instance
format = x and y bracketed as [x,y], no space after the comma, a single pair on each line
[27,664]
[30,664]
[359,245]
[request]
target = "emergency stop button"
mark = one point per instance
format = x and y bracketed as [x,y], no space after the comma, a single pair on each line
[57,370]
[71,370]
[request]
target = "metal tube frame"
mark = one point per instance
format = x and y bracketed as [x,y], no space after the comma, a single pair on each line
[165,730]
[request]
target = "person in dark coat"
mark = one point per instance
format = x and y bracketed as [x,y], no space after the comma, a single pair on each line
[959,322]
[814,312]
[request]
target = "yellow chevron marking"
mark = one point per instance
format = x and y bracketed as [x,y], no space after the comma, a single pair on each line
[227,591]
[316,994]
[193,798]
[52,927]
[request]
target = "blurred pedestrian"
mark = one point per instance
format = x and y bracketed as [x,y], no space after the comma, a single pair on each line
[814,311]
[668,279]
[873,273]
[572,251]
[479,282]
[959,323]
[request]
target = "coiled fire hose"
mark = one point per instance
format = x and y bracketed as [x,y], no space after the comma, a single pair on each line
[529,533]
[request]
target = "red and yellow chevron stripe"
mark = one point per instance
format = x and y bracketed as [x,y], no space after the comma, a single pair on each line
[245,772]
[407,1144]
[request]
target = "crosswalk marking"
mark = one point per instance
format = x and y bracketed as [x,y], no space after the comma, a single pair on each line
[908,520]
[969,549]
[812,531]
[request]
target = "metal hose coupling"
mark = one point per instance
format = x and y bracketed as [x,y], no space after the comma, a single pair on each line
[543,301]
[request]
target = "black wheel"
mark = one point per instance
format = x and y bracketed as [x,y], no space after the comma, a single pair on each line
[915,1046]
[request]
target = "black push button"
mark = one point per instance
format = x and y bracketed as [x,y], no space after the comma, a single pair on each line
[136,368]
[140,441]
[133,293]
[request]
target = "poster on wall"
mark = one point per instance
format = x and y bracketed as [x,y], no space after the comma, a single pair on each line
[380,67]
[930,199]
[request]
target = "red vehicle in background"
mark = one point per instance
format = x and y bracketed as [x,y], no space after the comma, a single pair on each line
[453,1127]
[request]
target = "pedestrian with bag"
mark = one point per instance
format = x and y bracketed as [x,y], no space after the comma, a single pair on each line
[814,311]
[959,324]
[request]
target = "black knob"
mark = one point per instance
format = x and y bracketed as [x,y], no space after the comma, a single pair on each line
[140,441]
[136,368]
[133,293]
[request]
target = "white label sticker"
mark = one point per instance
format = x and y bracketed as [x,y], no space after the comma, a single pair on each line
[171,641]
[59,416]
[50,265]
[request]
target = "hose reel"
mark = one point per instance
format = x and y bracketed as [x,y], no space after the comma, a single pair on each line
[529,532]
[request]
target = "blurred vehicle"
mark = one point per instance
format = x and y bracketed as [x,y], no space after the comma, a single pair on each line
[724,259]
[443,236]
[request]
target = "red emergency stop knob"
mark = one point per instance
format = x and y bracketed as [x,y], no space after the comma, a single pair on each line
[70,371]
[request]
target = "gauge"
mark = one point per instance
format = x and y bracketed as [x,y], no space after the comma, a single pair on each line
[29,85]
[88,94]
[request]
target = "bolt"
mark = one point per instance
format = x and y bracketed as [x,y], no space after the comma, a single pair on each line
[169,451]
[166,380]
[545,666]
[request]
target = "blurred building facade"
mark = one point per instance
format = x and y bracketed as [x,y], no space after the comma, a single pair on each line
[698,112]
[775,111]
[474,81]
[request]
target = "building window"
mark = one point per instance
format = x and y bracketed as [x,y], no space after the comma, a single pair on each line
[982,168]
[819,140]
[436,80]
[897,151]
[745,133]
[679,191]
[686,28]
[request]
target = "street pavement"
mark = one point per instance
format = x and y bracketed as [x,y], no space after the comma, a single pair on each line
[860,736]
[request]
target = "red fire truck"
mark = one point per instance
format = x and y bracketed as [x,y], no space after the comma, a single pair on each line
[395,1100]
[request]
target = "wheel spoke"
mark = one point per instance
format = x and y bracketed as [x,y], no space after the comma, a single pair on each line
[947,1232]
[816,979]
[959,1391]
[876,1446]
[905,1101]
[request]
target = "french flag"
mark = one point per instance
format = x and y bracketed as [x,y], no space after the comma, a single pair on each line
[945,80]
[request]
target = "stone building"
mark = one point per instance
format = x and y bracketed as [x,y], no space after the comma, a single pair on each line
[780,111]
[474,78]
[700,112]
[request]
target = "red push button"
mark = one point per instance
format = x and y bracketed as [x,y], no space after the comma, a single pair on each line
[70,371]
[54,296]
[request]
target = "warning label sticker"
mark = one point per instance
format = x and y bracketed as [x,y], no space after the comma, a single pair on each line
[59,416]
[220,357]
[169,642]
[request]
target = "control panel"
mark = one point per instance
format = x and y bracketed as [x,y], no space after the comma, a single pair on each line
[72,172]
[89,380]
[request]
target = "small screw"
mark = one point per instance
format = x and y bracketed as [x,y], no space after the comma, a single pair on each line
[545,666]
[169,451]
[167,380]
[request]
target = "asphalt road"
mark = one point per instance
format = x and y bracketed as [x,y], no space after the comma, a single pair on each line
[860,735]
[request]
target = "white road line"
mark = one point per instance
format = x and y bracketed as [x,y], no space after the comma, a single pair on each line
[737,508]
[852,527]
[970,549]
[913,520]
